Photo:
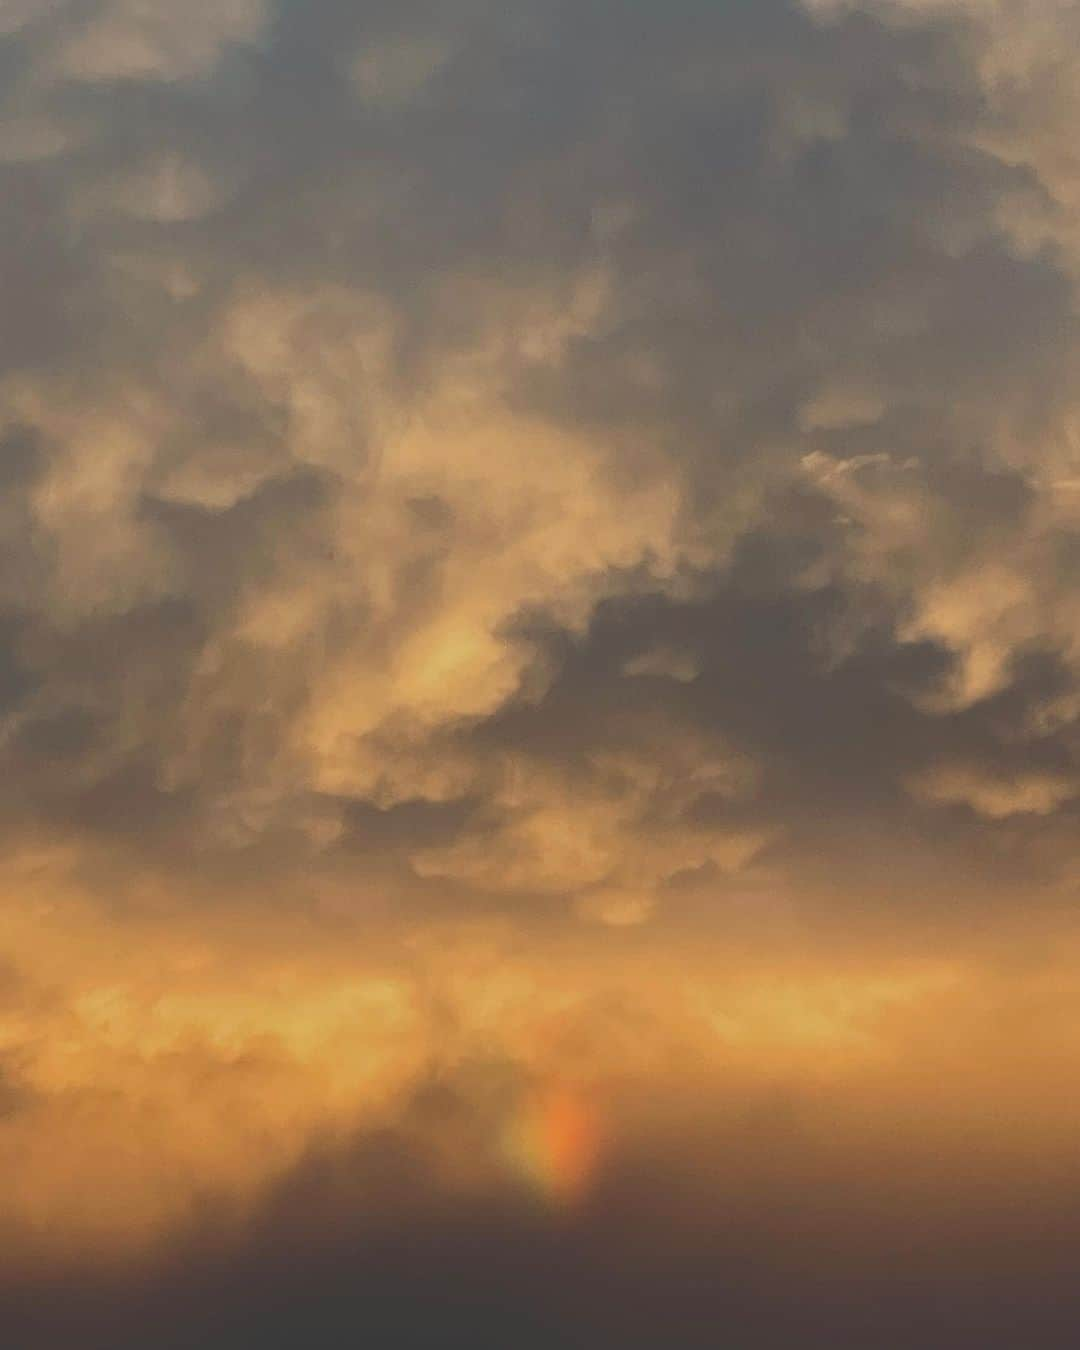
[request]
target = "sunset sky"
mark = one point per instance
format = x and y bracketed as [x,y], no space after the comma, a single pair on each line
[539,674]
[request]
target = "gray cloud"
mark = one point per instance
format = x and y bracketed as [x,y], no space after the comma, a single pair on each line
[357,357]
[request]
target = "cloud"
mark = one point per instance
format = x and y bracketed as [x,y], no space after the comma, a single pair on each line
[957,784]
[518,520]
[780,1203]
[395,70]
[365,468]
[140,40]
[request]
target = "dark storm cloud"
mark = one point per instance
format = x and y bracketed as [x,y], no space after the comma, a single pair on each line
[719,250]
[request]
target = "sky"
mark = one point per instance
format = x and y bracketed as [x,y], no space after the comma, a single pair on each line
[539,674]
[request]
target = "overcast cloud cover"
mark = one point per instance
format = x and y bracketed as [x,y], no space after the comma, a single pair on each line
[539,600]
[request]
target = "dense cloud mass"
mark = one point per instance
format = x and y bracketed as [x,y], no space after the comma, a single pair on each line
[539,669]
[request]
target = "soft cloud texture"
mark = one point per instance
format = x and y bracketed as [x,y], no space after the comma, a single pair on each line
[519,520]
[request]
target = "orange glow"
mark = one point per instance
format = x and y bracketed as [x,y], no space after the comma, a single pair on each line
[555,1143]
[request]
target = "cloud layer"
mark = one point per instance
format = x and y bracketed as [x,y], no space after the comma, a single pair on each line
[506,500]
